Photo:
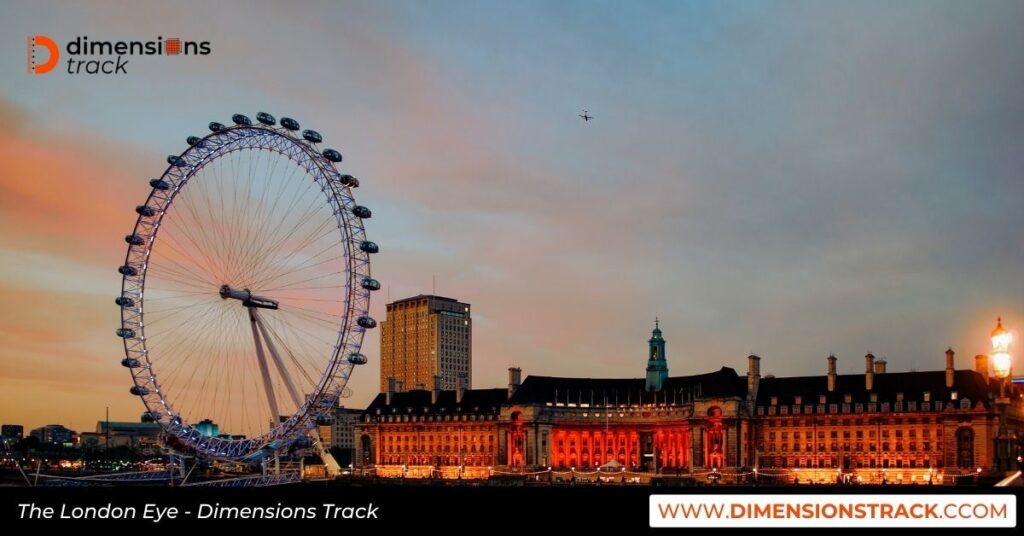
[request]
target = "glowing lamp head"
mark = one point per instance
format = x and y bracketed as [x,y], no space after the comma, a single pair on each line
[1000,337]
[1001,364]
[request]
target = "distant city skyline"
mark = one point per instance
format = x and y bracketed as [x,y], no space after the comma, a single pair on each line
[787,179]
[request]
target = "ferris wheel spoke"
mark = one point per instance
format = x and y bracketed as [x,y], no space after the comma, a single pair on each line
[197,267]
[251,239]
[276,238]
[263,214]
[164,314]
[325,287]
[308,265]
[182,345]
[242,187]
[183,274]
[311,335]
[295,348]
[264,222]
[333,317]
[196,270]
[213,360]
[320,320]
[165,276]
[311,299]
[303,281]
[174,293]
[281,266]
[180,350]
[178,331]
[291,355]
[281,240]
[195,232]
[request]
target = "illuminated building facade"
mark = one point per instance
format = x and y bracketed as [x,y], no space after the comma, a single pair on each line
[566,423]
[423,337]
[907,427]
[881,426]
[431,434]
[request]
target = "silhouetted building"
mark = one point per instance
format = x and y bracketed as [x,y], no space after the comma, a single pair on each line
[113,434]
[53,434]
[12,431]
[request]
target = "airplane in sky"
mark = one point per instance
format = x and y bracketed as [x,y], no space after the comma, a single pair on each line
[586,116]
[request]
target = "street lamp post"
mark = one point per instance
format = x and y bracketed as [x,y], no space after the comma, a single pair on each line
[1002,364]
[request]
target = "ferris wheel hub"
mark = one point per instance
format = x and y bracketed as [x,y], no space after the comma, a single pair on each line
[247,298]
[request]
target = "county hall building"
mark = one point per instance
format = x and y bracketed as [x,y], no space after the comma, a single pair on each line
[897,427]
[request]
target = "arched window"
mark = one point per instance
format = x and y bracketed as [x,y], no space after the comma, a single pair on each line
[965,448]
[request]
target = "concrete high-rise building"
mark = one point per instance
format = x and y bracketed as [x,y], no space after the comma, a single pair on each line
[423,337]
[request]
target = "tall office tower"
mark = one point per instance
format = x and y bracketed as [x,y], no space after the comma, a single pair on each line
[423,337]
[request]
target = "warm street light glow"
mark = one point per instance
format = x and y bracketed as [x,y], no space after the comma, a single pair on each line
[1000,337]
[1002,362]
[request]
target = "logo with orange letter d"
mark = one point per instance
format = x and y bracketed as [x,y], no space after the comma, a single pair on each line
[43,54]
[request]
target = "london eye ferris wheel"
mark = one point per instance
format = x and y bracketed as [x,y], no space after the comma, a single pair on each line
[246,289]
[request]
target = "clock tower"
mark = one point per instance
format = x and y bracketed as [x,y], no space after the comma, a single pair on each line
[657,367]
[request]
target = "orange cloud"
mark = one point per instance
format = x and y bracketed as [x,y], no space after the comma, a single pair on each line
[64,206]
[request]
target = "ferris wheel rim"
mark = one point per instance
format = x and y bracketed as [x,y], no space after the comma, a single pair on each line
[181,170]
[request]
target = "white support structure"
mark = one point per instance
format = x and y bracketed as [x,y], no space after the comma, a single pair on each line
[288,383]
[260,330]
[264,370]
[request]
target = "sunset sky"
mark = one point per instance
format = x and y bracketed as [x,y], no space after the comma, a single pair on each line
[787,178]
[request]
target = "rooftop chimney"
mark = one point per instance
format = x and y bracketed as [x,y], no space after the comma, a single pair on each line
[515,378]
[460,388]
[880,366]
[831,373]
[753,376]
[981,364]
[399,386]
[949,367]
[391,391]
[435,395]
[869,371]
